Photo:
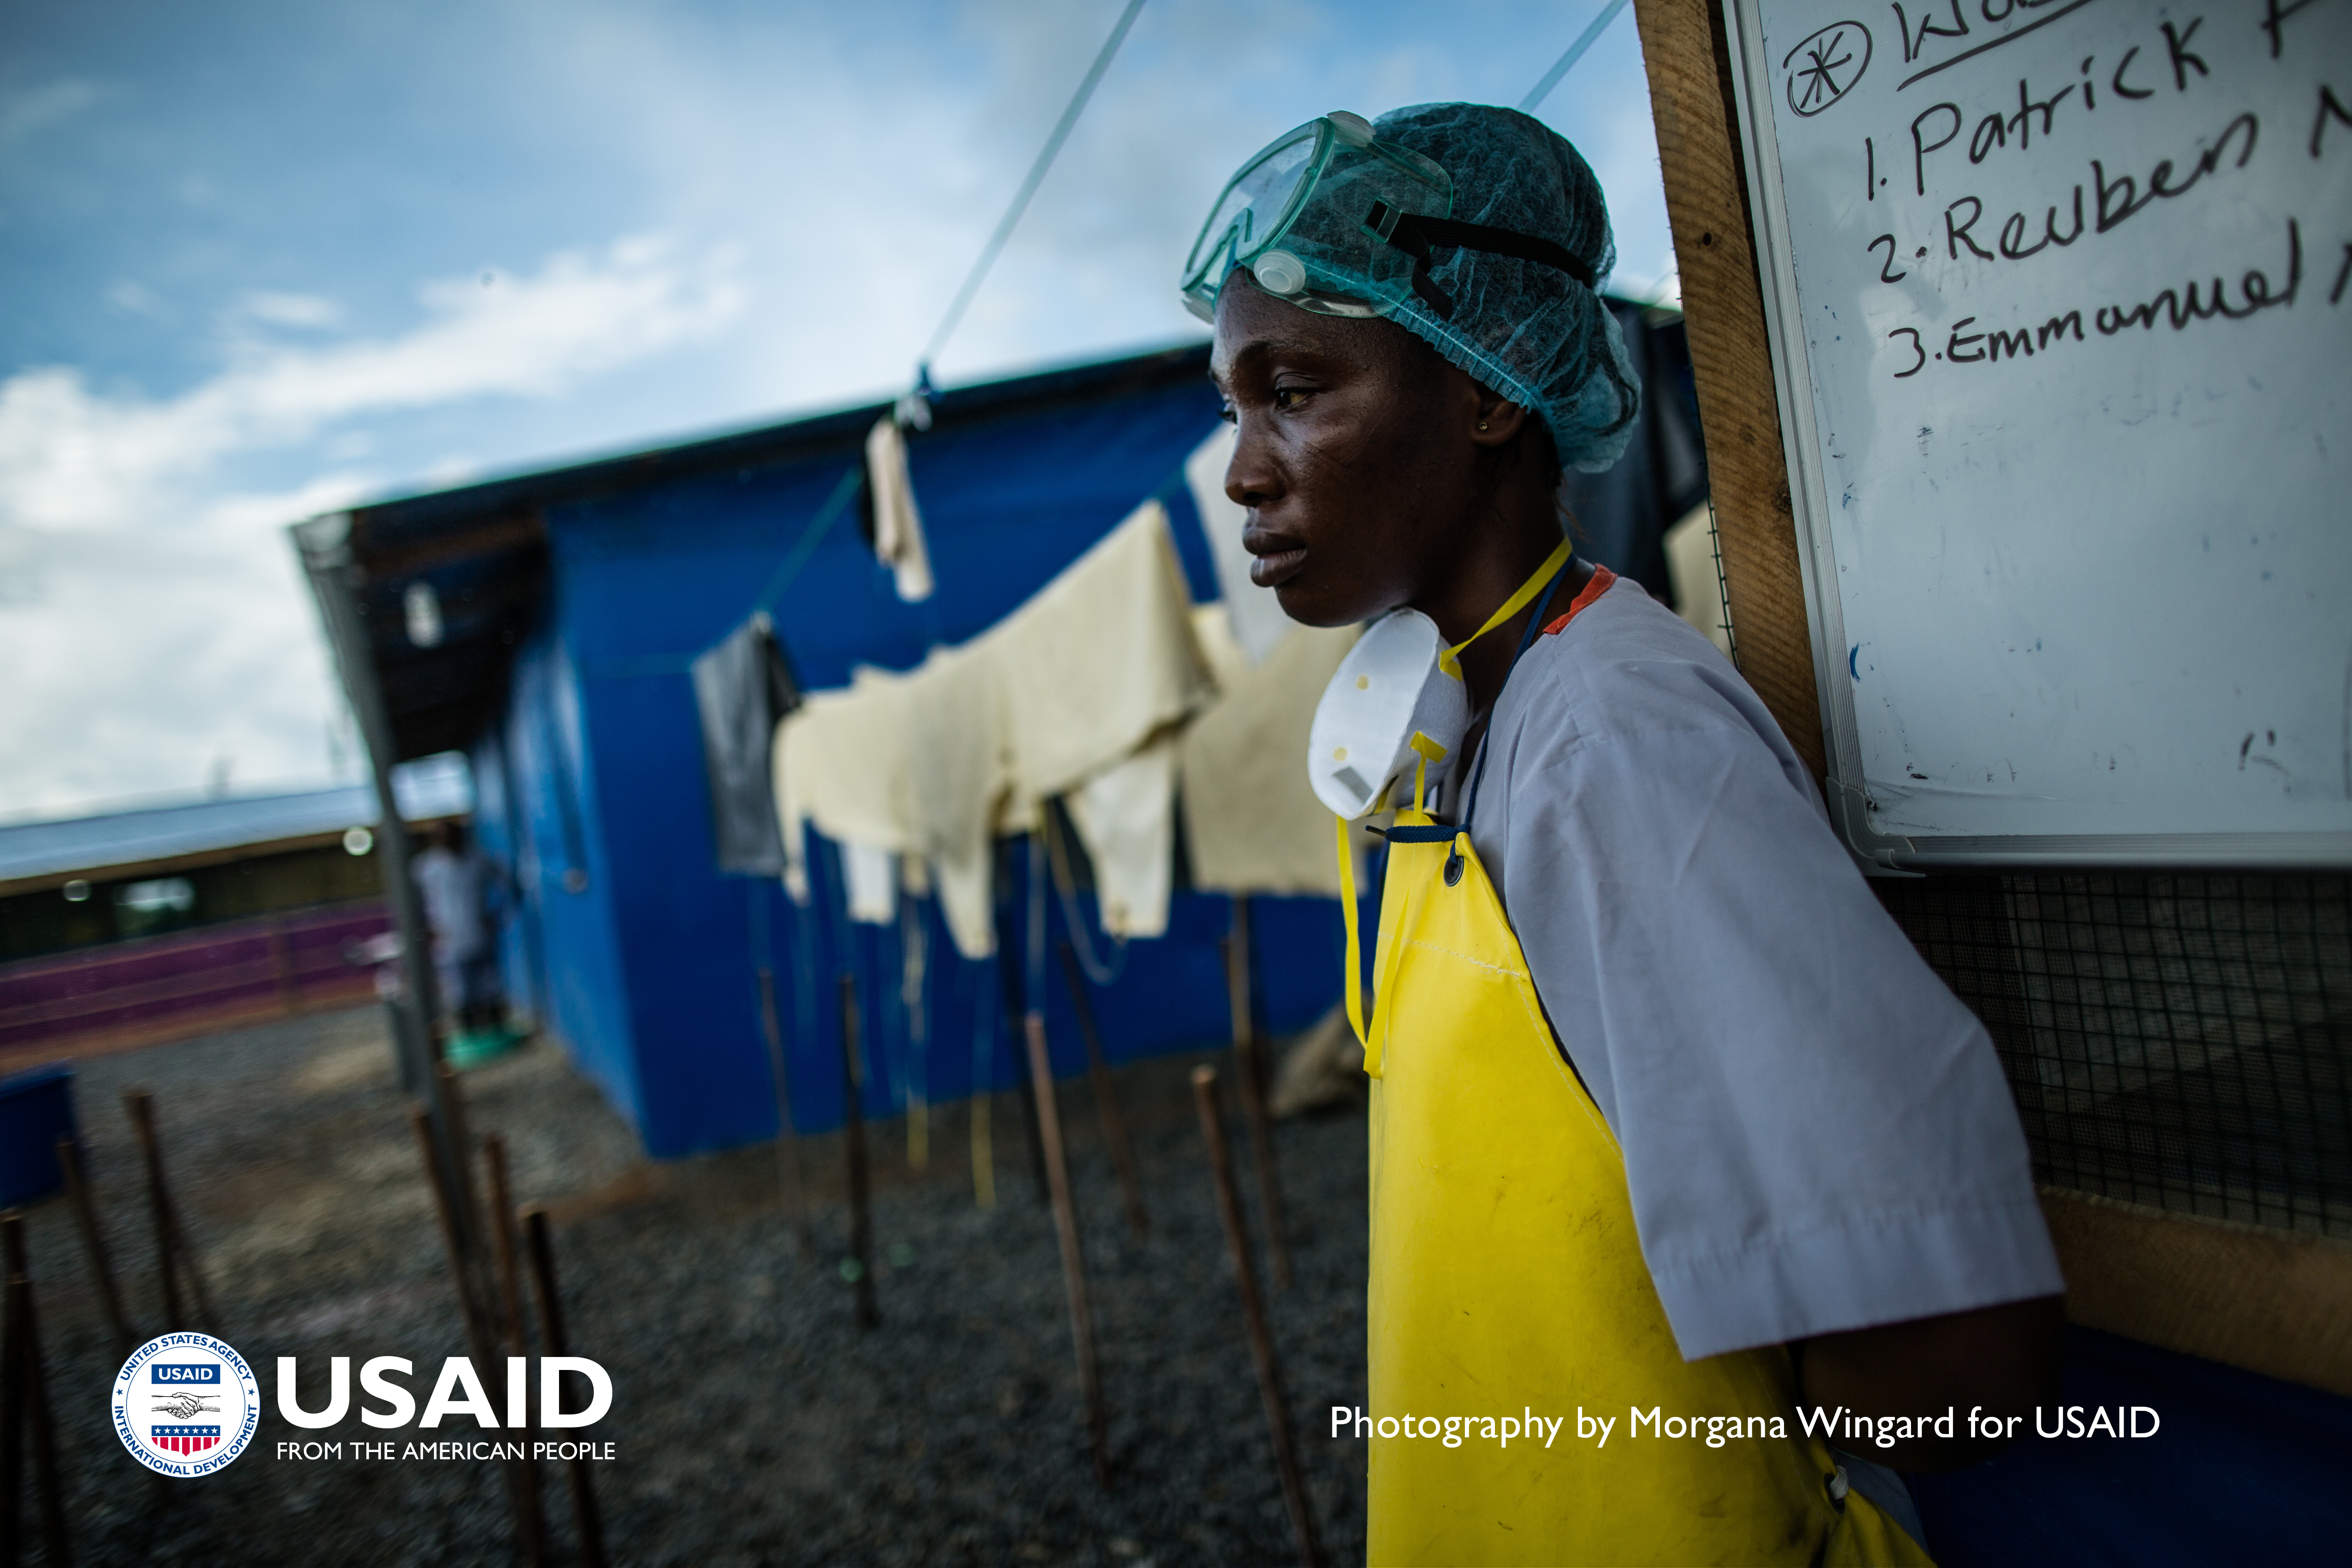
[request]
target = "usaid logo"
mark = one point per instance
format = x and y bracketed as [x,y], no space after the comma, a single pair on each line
[458,1391]
[186,1404]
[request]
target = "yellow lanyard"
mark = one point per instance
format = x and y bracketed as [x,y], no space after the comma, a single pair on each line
[1450,661]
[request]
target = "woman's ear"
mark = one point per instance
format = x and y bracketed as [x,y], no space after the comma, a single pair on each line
[1498,421]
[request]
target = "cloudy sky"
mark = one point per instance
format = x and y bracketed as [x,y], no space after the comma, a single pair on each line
[262,259]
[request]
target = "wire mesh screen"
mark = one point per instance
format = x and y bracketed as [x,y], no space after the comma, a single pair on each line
[2183,1042]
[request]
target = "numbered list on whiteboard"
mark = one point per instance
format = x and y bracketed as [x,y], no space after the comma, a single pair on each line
[2074,286]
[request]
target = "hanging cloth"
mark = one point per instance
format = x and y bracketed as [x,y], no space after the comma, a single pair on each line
[898,541]
[934,762]
[1098,661]
[1252,824]
[958,775]
[872,879]
[1125,816]
[742,688]
[841,762]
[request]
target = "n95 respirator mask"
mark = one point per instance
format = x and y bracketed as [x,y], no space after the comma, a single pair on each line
[1392,715]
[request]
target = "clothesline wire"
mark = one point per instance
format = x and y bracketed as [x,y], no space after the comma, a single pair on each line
[1045,155]
[1561,67]
[844,490]
[812,534]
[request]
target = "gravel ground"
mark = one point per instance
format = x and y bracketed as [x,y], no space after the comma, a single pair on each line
[753,1423]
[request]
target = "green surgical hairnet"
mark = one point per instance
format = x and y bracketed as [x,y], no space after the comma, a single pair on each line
[1524,329]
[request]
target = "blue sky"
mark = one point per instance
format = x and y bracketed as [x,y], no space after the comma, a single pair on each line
[262,259]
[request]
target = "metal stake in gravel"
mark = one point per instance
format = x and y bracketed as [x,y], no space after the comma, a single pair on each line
[26,1398]
[173,1253]
[93,1243]
[860,1262]
[481,1338]
[530,1518]
[585,1517]
[788,1143]
[12,1420]
[478,1339]
[473,1243]
[1247,1071]
[1012,991]
[1114,1124]
[1065,1225]
[1269,1371]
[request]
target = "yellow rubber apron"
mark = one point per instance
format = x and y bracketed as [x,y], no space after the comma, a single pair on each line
[1507,1283]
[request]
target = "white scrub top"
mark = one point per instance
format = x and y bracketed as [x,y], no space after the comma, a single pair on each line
[1817,1133]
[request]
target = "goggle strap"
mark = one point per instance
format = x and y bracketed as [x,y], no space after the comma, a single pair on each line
[1414,233]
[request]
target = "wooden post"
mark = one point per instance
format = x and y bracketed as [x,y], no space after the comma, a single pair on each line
[787,1144]
[135,1102]
[481,1334]
[338,580]
[477,1338]
[173,1252]
[585,1518]
[1269,1371]
[473,1244]
[1065,1226]
[502,1241]
[93,1243]
[27,1411]
[853,1140]
[1012,992]
[47,1486]
[983,1148]
[914,941]
[12,1417]
[1688,59]
[1253,1086]
[530,1516]
[1114,1124]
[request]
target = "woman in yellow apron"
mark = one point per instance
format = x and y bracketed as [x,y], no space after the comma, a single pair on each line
[1640,1253]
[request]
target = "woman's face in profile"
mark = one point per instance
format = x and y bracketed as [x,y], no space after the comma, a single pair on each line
[1354,455]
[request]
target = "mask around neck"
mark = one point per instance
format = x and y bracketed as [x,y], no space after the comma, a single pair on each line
[1387,690]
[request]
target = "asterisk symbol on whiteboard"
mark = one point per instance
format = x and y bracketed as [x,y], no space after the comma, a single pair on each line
[1819,77]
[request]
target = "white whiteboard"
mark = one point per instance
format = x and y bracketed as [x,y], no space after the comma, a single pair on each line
[2075,501]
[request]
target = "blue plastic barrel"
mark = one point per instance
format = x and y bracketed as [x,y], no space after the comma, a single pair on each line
[35,1111]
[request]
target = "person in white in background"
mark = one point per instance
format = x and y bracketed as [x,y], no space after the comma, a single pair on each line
[456,883]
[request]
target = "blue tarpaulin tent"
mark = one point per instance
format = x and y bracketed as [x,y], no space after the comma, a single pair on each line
[570,606]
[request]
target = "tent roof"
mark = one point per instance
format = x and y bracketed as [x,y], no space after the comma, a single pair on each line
[35,855]
[483,547]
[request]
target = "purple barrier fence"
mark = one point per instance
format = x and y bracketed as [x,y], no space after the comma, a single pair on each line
[154,989]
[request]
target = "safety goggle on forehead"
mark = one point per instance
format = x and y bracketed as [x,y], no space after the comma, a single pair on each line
[1339,222]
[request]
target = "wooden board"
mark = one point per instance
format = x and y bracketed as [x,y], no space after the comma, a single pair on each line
[2273,1301]
[1723,306]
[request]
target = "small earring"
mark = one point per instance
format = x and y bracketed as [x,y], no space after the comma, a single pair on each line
[1482,425]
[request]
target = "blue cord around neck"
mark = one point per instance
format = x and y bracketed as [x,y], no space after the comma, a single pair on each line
[1527,640]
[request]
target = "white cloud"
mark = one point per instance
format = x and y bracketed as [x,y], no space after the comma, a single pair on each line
[307,310]
[151,619]
[71,458]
